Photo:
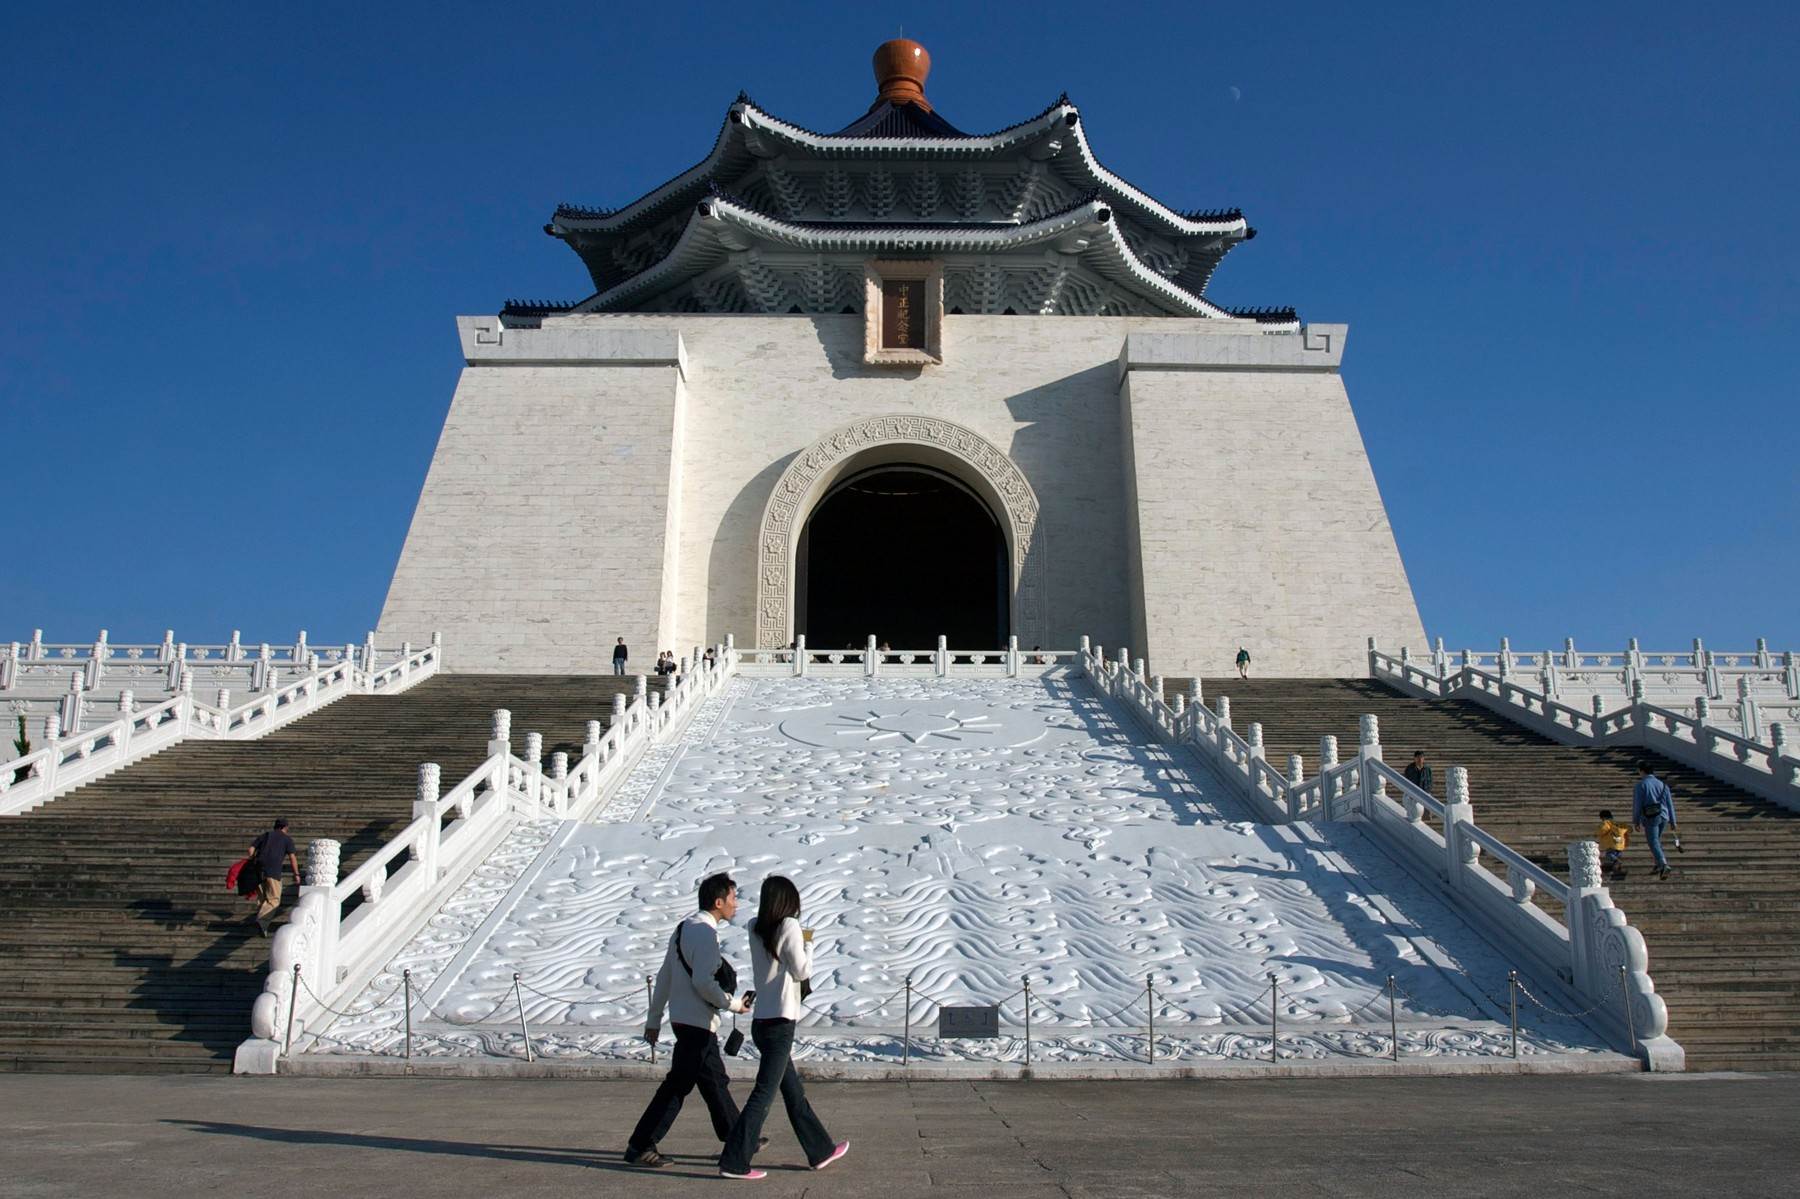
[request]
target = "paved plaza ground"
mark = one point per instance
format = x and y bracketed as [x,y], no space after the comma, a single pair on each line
[1612,1134]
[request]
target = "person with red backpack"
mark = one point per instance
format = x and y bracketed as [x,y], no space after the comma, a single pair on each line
[270,852]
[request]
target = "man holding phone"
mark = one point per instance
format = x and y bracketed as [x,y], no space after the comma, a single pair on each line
[695,985]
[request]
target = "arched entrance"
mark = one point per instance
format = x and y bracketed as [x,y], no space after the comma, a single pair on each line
[905,552]
[953,453]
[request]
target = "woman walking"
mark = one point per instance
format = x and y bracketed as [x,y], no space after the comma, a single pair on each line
[780,960]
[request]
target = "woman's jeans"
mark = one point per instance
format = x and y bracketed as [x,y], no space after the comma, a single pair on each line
[774,1041]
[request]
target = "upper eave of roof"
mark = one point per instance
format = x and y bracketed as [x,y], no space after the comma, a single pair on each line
[745,120]
[700,239]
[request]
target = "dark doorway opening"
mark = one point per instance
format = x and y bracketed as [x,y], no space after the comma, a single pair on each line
[906,553]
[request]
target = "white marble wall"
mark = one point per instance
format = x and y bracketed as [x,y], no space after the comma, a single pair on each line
[557,489]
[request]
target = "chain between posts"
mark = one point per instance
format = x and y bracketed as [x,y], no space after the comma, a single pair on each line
[1516,988]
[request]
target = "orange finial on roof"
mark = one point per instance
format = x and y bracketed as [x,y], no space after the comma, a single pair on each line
[900,70]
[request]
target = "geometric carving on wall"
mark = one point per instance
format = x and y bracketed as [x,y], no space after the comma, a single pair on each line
[983,465]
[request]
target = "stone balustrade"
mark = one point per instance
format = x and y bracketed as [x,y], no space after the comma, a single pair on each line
[39,677]
[1756,756]
[1584,950]
[342,930]
[69,759]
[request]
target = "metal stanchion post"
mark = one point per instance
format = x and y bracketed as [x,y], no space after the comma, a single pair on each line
[1393,1018]
[906,1045]
[1274,1019]
[524,1031]
[287,1043]
[1630,1020]
[1512,983]
[1150,1007]
[1028,1022]
[406,986]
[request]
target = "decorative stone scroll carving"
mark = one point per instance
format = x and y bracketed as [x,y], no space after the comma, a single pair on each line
[985,465]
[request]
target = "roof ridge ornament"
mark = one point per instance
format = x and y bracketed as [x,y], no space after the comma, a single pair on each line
[901,66]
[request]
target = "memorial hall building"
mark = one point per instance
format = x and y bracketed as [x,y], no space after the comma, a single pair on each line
[901,381]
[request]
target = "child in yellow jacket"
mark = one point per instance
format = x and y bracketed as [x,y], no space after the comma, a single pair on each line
[1611,835]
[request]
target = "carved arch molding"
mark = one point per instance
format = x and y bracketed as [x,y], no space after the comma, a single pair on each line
[964,452]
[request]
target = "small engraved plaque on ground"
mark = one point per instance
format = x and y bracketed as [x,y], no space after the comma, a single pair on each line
[969,1023]
[903,314]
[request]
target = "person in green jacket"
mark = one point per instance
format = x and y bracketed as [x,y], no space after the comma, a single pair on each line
[1243,663]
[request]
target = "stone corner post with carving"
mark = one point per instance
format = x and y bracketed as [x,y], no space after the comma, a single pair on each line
[1460,850]
[426,808]
[1607,954]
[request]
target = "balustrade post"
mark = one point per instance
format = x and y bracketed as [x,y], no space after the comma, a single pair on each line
[1296,773]
[9,667]
[943,656]
[618,714]
[1749,717]
[1255,740]
[274,680]
[1179,703]
[1012,656]
[1506,662]
[500,739]
[871,660]
[1637,690]
[1369,750]
[1762,653]
[259,673]
[1329,788]
[1374,648]
[234,649]
[1460,850]
[1551,687]
[1599,711]
[534,771]
[37,644]
[223,696]
[164,652]
[590,745]
[72,705]
[1570,659]
[1713,687]
[321,879]
[127,706]
[176,666]
[1137,669]
[368,653]
[96,663]
[1790,674]
[1156,688]
[800,655]
[1222,709]
[299,652]
[427,808]
[1195,697]
[52,742]
[1439,658]
[1702,711]
[559,775]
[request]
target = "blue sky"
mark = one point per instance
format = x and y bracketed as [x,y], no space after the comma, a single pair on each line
[1563,237]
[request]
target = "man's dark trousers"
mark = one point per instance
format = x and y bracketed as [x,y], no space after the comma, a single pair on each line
[696,1063]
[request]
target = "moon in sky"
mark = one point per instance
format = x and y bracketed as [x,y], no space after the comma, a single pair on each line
[1237,93]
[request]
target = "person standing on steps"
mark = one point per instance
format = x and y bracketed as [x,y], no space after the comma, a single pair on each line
[1418,773]
[780,965]
[694,984]
[1243,663]
[273,851]
[620,656]
[1653,809]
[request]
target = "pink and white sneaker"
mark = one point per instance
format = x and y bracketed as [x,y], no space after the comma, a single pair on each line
[838,1151]
[747,1175]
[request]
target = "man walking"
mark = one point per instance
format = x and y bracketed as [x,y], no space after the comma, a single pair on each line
[1243,662]
[689,985]
[1418,773]
[1653,809]
[620,656]
[273,851]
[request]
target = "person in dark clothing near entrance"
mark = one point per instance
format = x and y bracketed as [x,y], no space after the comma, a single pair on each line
[620,656]
[692,986]
[1419,774]
[273,851]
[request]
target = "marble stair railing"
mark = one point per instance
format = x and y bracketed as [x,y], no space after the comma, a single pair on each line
[1583,951]
[82,684]
[1768,769]
[1672,680]
[324,954]
[873,660]
[64,763]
